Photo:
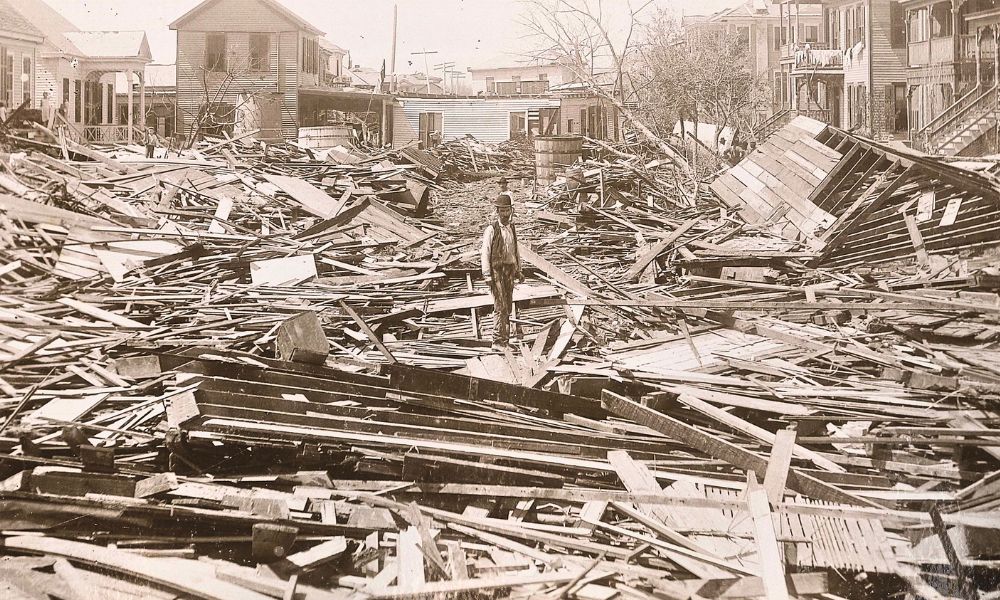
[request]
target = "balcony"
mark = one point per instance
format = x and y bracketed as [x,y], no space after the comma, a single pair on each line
[933,52]
[789,50]
[822,60]
[987,49]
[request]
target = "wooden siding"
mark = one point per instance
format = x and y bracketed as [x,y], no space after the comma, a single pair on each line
[487,120]
[889,64]
[238,15]
[194,86]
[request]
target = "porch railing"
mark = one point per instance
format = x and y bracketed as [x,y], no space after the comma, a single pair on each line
[107,134]
[942,128]
[771,124]
[820,114]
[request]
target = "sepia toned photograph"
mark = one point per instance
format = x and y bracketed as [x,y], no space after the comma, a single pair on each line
[499,299]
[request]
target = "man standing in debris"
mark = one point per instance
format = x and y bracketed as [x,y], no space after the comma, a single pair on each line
[501,264]
[150,142]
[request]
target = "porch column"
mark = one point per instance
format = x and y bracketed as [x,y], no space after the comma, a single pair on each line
[128,81]
[996,54]
[979,57]
[142,99]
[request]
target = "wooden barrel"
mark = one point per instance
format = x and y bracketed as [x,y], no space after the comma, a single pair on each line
[553,153]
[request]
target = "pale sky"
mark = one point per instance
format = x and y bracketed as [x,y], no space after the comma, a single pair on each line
[467,32]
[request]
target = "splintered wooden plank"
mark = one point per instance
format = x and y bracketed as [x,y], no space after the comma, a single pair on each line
[658,248]
[101,314]
[778,464]
[319,554]
[768,557]
[314,200]
[189,577]
[723,450]
[410,559]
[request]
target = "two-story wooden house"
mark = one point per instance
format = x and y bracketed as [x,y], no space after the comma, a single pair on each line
[811,75]
[952,74]
[248,65]
[871,35]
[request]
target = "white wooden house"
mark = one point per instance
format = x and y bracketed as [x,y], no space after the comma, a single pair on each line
[75,72]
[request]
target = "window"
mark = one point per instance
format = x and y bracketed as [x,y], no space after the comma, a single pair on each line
[941,25]
[833,17]
[897,26]
[916,25]
[570,126]
[215,52]
[743,37]
[775,34]
[859,24]
[491,85]
[65,93]
[811,33]
[543,77]
[77,98]
[26,79]
[260,51]
[7,76]
[310,56]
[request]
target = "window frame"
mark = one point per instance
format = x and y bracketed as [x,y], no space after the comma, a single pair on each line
[221,62]
[261,63]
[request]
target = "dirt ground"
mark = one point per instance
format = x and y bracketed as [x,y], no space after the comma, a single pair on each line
[465,208]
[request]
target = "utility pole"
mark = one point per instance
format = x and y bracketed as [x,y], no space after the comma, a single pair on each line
[427,69]
[392,59]
[445,67]
[454,76]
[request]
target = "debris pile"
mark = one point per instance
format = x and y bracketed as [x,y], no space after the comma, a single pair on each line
[247,372]
[467,158]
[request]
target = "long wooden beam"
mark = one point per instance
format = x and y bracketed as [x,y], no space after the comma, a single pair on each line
[723,450]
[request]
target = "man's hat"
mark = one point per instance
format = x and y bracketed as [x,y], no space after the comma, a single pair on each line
[504,200]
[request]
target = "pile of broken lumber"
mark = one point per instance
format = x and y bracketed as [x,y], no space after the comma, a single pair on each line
[256,376]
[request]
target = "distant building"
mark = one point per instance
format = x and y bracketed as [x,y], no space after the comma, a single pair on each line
[160,98]
[758,26]
[507,78]
[74,70]
[246,65]
[486,119]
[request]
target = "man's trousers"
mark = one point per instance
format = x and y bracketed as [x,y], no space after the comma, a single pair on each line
[502,289]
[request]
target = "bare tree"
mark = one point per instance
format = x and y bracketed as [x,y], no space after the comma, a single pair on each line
[595,42]
[701,78]
[224,94]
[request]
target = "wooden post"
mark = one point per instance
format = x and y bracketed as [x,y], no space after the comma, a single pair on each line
[128,81]
[979,61]
[142,99]
[996,54]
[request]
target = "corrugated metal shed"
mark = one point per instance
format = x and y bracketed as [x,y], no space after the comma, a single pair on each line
[486,119]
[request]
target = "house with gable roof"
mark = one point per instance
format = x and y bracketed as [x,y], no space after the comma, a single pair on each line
[76,70]
[246,65]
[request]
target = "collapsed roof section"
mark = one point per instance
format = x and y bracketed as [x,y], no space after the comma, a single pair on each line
[857,202]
